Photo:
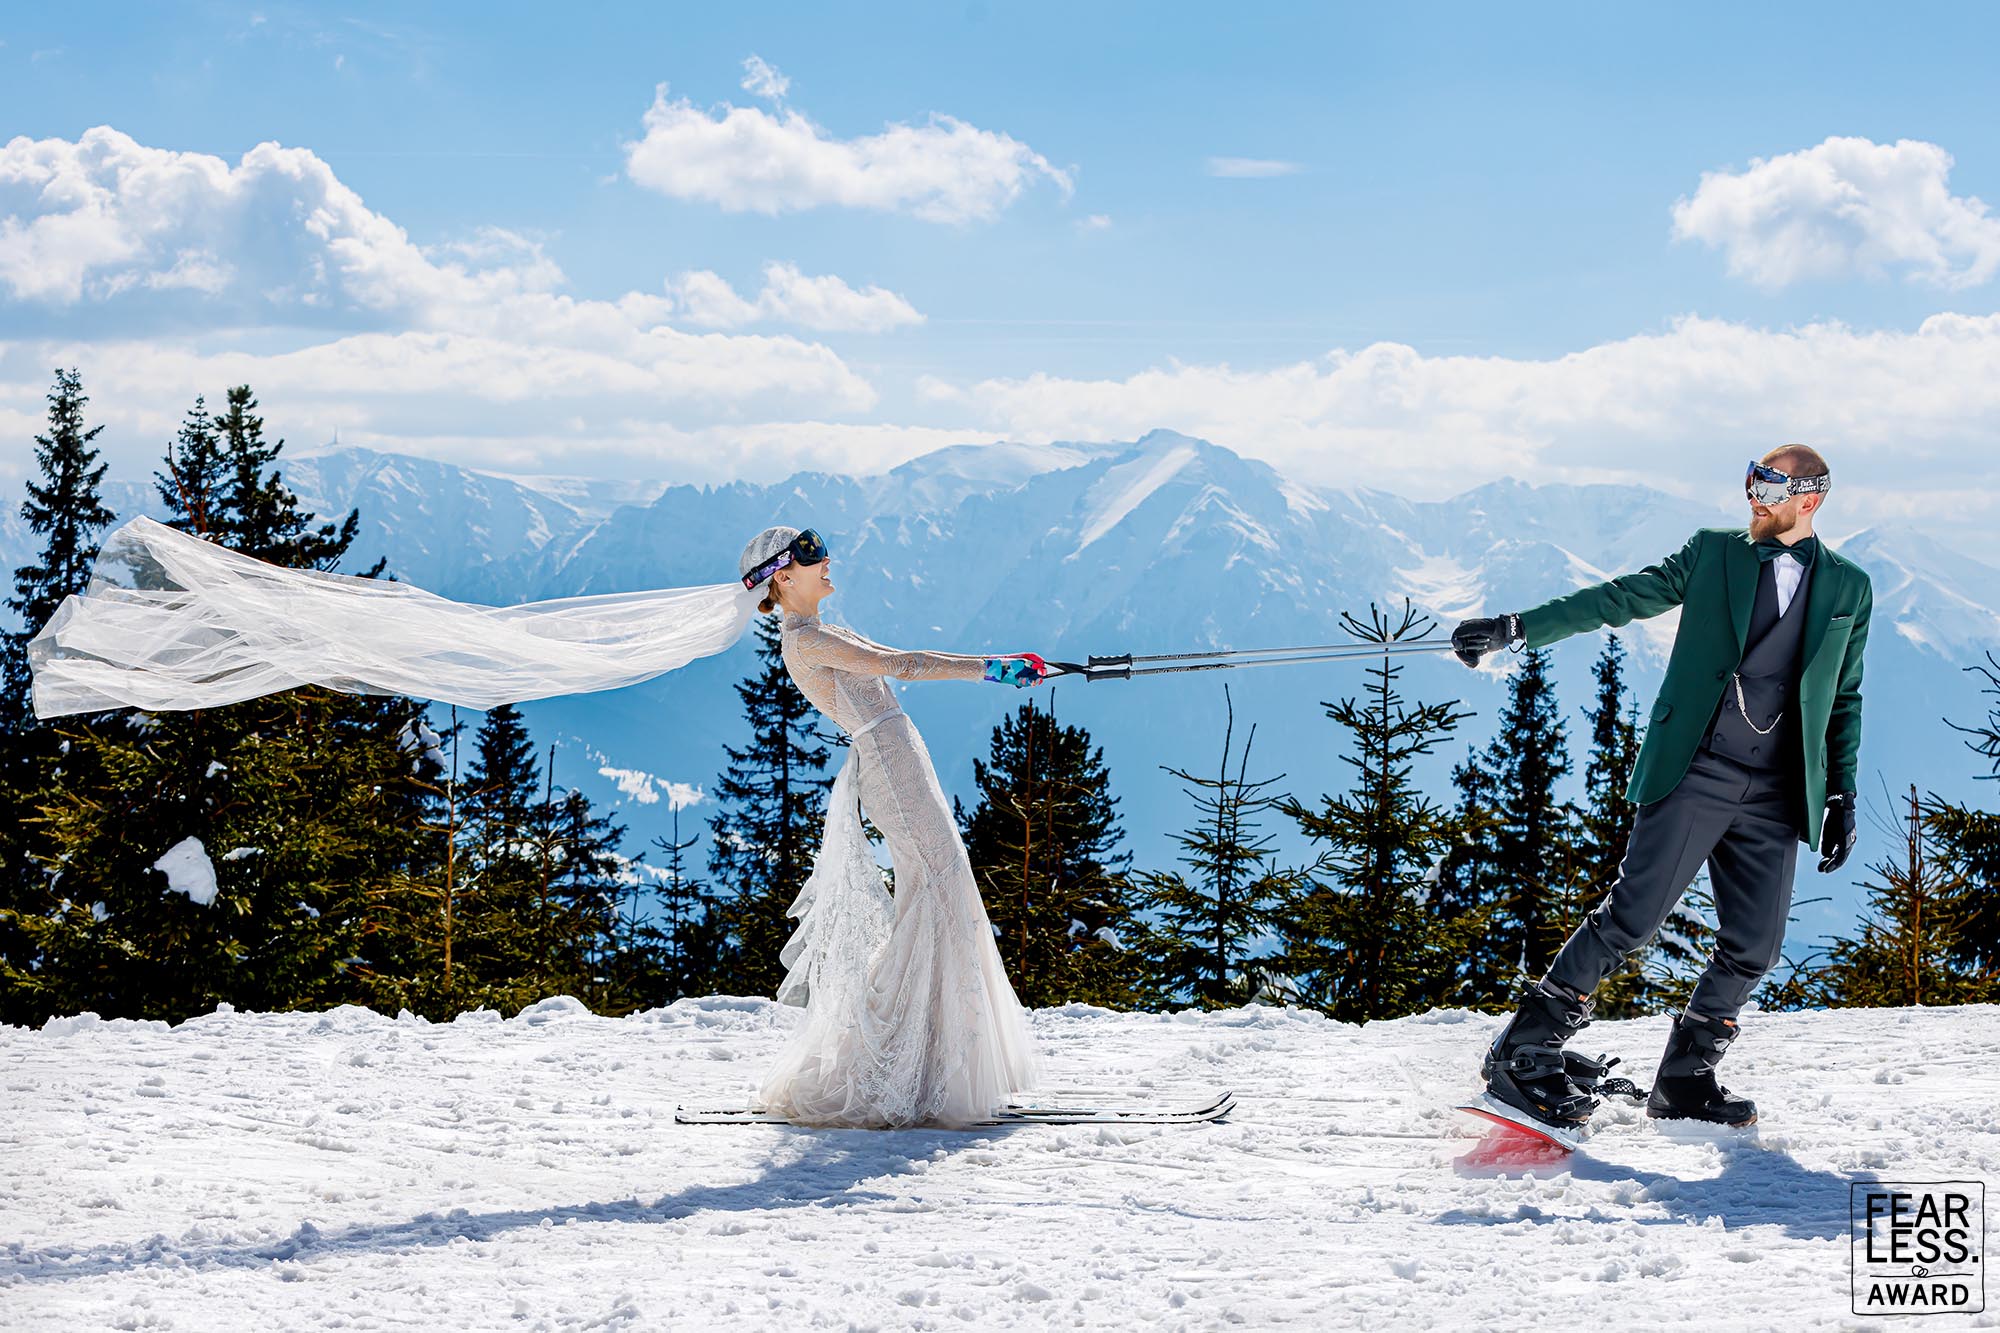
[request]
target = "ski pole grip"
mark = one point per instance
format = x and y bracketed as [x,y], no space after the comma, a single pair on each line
[1116,667]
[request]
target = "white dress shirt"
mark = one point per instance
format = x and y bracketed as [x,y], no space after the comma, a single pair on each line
[1789,569]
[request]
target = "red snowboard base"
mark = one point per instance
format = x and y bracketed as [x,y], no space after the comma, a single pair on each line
[1489,1108]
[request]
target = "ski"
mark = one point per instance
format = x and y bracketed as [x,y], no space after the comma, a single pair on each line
[1028,1115]
[1060,1101]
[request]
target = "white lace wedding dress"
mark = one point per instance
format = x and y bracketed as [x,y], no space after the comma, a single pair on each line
[909,1019]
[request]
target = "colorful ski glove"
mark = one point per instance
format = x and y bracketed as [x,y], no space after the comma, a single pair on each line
[1837,831]
[1019,670]
[1473,639]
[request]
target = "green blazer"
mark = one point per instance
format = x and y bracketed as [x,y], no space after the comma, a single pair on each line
[1714,580]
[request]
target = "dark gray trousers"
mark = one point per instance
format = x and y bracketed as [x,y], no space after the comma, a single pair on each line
[1744,824]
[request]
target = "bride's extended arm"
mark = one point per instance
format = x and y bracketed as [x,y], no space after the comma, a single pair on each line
[845,650]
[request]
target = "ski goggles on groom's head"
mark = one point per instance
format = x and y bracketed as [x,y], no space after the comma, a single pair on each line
[806,549]
[1770,487]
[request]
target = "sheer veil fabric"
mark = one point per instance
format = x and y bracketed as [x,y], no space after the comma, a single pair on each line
[170,621]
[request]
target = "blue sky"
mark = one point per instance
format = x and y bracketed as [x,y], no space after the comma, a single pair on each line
[1462,257]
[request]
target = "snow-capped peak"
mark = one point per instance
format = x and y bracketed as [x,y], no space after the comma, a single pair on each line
[1125,487]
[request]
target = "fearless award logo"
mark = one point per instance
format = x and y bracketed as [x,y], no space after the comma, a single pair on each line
[1918,1247]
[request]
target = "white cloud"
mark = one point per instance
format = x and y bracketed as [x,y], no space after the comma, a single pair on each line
[762,80]
[645,788]
[680,795]
[1677,409]
[277,238]
[635,784]
[825,303]
[1095,222]
[1847,206]
[159,272]
[745,159]
[1244,168]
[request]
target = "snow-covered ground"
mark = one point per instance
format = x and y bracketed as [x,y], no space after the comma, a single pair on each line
[349,1170]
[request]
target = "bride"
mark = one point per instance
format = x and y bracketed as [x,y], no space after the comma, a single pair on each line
[910,1019]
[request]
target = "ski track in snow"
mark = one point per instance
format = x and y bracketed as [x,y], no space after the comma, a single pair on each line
[348,1170]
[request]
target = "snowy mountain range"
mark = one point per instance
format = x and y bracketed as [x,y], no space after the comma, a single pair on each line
[1163,544]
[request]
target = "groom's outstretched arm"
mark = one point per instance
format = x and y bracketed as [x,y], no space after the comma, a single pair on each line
[1648,592]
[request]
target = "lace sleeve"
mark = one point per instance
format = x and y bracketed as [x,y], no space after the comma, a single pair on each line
[844,650]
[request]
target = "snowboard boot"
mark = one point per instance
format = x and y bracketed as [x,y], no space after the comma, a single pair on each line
[1527,1068]
[1685,1087]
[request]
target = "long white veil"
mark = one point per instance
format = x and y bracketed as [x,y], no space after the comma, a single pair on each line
[170,621]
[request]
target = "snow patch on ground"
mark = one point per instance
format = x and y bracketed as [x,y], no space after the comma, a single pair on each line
[345,1169]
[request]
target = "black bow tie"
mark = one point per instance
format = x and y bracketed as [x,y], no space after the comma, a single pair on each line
[1771,548]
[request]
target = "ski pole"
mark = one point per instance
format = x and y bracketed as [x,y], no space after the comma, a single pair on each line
[1342,649]
[1120,667]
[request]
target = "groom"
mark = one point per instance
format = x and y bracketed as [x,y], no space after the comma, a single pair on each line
[1751,750]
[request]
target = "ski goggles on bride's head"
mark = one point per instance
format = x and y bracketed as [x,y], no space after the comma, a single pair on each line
[805,549]
[1770,487]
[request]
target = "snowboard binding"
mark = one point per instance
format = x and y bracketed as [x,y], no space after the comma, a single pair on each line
[1536,1085]
[1593,1082]
[1593,1077]
[1527,1068]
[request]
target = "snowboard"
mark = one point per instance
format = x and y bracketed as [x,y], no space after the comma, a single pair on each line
[1491,1109]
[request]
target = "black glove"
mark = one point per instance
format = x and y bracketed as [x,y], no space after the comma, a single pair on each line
[1474,638]
[1836,832]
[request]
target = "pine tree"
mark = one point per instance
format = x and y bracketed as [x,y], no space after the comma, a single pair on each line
[1362,940]
[1043,842]
[302,803]
[574,926]
[262,515]
[1206,925]
[773,807]
[300,816]
[693,941]
[498,946]
[502,785]
[527,886]
[1969,839]
[1518,856]
[1904,953]
[1933,936]
[66,509]
[415,939]
[193,485]
[633,967]
[1604,822]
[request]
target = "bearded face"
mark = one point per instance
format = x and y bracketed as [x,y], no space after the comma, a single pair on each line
[1774,520]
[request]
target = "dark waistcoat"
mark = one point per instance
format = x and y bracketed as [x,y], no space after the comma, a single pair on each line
[1770,676]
